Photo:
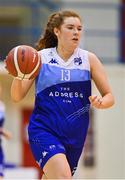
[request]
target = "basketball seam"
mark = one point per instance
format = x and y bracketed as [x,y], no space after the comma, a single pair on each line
[26,66]
[27,76]
[19,73]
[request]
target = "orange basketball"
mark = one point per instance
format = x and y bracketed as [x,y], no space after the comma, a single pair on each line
[23,62]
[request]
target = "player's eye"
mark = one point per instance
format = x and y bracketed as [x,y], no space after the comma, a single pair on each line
[79,28]
[70,27]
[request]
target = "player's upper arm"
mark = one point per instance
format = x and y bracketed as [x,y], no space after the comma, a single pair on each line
[98,74]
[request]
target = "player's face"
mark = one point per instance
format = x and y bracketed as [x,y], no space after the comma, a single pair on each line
[70,32]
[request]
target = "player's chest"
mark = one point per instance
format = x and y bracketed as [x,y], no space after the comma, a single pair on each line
[64,74]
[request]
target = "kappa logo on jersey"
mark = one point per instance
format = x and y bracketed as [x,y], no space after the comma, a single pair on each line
[53,61]
[78,61]
[44,153]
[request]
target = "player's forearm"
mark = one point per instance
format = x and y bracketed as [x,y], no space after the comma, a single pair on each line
[16,90]
[20,88]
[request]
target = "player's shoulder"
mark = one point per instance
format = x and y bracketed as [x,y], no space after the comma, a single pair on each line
[93,60]
[46,51]
[92,56]
[88,54]
[82,52]
[47,54]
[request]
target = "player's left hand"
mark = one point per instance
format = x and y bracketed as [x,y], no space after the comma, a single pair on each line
[96,101]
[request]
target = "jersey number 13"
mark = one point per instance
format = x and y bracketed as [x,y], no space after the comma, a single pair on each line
[65,75]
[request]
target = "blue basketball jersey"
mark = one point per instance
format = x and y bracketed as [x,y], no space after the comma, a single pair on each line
[2,113]
[2,119]
[61,97]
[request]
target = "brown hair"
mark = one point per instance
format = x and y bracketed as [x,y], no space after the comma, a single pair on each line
[49,39]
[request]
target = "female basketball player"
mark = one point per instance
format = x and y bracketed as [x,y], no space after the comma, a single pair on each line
[4,133]
[59,122]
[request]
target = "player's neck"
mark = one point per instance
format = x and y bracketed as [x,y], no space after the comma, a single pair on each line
[65,54]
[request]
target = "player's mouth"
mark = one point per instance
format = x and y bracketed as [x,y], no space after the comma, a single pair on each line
[75,39]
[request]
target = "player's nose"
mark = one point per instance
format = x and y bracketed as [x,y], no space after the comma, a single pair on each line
[75,31]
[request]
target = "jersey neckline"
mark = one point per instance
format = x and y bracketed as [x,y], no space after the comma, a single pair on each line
[65,63]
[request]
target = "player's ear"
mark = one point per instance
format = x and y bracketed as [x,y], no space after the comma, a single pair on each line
[56,31]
